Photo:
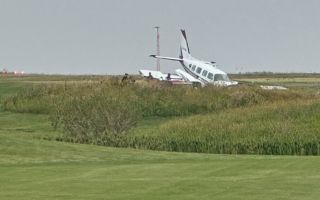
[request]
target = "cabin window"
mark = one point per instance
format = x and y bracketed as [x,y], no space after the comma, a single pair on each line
[219,77]
[193,67]
[198,70]
[204,73]
[190,65]
[210,76]
[225,77]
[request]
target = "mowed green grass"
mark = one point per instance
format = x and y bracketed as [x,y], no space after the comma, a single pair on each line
[40,169]
[11,87]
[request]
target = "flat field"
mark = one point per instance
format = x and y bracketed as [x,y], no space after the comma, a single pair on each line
[33,167]
[280,79]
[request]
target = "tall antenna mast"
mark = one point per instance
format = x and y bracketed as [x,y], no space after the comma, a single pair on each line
[158,48]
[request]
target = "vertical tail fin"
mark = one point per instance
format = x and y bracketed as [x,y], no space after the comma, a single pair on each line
[184,47]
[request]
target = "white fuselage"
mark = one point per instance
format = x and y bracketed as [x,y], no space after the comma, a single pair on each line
[206,73]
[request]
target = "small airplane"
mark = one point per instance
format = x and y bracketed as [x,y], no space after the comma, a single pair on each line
[196,71]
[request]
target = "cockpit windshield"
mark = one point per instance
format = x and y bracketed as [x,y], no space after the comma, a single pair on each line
[221,77]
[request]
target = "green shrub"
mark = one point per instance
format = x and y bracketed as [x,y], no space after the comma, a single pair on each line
[87,119]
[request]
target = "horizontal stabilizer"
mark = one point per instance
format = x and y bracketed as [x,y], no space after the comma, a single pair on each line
[166,58]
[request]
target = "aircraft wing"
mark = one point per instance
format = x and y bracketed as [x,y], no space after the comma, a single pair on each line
[155,74]
[166,58]
[158,74]
[181,77]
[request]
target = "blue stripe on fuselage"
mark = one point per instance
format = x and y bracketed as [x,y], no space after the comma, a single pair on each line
[192,74]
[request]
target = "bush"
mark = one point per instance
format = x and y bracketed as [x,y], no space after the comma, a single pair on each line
[88,119]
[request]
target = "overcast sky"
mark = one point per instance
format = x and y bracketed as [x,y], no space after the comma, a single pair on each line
[114,37]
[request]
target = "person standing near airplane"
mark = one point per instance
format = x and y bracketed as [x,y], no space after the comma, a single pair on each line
[124,80]
[168,77]
[150,77]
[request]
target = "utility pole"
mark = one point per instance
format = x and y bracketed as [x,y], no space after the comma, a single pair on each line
[158,48]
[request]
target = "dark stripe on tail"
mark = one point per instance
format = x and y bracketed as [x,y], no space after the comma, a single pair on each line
[185,37]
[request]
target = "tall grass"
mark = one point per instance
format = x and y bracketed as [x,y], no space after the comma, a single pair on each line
[265,130]
[83,120]
[153,101]
[280,128]
[235,120]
